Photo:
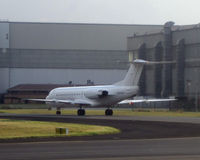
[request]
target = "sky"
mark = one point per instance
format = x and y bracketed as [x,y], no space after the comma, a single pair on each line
[102,11]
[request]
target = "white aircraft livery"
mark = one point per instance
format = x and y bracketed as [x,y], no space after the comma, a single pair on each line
[104,95]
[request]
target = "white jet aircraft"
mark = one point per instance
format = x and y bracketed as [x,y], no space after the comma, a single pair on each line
[104,95]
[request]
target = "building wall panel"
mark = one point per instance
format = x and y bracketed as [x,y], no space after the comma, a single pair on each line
[73,59]
[191,36]
[4,79]
[4,35]
[73,36]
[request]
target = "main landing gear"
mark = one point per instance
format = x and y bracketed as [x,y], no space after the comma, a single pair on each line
[81,112]
[58,111]
[109,112]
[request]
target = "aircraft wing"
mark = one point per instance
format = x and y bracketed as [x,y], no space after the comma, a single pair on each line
[77,101]
[146,100]
[39,100]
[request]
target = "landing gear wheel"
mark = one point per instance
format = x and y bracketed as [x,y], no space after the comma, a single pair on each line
[58,112]
[81,112]
[109,112]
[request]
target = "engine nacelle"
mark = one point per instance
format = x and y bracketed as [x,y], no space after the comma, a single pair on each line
[96,94]
[104,93]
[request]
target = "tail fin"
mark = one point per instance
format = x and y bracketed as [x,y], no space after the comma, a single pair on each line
[133,75]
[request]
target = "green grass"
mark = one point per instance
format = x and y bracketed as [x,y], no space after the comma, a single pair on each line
[117,112]
[24,129]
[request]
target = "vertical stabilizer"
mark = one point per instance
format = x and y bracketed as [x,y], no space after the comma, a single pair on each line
[133,75]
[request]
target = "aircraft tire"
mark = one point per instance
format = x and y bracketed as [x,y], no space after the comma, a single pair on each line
[58,112]
[81,112]
[109,112]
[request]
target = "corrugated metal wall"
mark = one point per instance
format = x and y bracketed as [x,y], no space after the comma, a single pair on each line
[74,36]
[4,35]
[73,59]
[187,55]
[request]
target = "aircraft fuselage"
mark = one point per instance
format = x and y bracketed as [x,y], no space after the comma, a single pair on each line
[105,95]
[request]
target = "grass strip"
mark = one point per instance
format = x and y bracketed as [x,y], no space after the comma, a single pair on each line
[25,129]
[117,112]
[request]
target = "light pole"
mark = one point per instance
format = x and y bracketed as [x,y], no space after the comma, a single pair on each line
[197,90]
[188,88]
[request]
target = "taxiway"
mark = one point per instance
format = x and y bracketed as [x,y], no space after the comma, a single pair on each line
[143,138]
[184,148]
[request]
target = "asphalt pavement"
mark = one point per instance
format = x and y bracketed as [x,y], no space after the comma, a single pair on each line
[142,138]
[184,148]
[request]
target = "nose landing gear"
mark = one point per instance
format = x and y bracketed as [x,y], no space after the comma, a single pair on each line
[58,111]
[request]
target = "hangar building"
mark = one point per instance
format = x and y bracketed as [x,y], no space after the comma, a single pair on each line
[57,53]
[181,46]
[63,53]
